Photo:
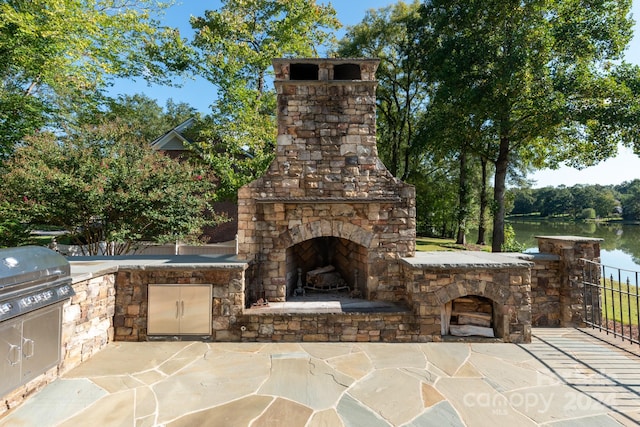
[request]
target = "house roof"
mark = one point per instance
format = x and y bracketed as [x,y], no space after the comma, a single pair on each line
[173,139]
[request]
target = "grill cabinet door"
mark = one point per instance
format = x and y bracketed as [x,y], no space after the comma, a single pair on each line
[40,341]
[195,309]
[179,310]
[164,310]
[10,355]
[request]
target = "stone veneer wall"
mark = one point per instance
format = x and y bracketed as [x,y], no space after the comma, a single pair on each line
[338,327]
[525,296]
[87,327]
[570,249]
[87,322]
[545,289]
[130,320]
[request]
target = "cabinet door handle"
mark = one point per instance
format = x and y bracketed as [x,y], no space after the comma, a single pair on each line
[182,305]
[177,309]
[28,344]
[13,356]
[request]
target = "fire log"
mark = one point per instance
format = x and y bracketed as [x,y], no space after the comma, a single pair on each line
[469,330]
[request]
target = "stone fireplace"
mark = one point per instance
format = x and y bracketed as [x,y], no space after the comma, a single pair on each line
[326,199]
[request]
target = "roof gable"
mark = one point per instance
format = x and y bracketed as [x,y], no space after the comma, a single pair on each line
[173,139]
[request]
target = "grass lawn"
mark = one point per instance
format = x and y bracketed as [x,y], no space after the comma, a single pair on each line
[619,305]
[427,244]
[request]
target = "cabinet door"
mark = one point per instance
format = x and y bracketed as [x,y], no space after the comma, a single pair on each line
[40,341]
[10,355]
[195,309]
[164,310]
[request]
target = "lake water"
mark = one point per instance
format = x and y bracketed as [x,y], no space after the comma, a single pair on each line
[620,247]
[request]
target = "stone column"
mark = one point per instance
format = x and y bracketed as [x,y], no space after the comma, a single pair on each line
[571,249]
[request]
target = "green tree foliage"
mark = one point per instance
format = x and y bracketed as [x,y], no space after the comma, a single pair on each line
[523,201]
[587,213]
[448,132]
[103,185]
[630,198]
[409,123]
[57,56]
[573,202]
[510,243]
[536,74]
[235,46]
[232,165]
[554,201]
[14,230]
[436,182]
[142,115]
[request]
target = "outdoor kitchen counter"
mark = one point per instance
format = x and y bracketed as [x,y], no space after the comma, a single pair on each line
[468,260]
[87,267]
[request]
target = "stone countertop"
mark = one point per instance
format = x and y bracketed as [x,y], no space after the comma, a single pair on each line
[87,267]
[466,259]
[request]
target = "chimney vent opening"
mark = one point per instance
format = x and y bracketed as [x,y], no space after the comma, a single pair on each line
[346,72]
[304,72]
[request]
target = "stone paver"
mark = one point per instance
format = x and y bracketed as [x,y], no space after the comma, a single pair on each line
[565,377]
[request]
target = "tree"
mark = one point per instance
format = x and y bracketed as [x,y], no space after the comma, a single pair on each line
[14,230]
[436,180]
[56,56]
[605,202]
[584,197]
[484,200]
[630,197]
[523,201]
[552,201]
[142,114]
[235,46]
[449,130]
[104,185]
[536,74]
[411,123]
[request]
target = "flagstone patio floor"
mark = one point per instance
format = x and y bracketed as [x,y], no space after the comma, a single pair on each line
[564,377]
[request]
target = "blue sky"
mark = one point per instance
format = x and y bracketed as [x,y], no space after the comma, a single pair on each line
[200,93]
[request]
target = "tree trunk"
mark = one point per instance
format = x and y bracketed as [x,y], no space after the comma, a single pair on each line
[502,165]
[463,200]
[484,201]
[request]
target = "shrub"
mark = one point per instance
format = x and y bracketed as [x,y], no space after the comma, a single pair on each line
[103,185]
[510,244]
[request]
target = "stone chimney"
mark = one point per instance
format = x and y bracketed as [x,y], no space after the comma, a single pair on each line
[326,199]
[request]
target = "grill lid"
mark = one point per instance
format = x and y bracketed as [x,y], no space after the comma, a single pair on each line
[32,277]
[31,264]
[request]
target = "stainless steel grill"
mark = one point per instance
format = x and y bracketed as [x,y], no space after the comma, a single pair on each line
[34,283]
[32,277]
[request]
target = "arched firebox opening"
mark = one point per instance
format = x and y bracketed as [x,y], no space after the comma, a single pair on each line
[472,315]
[326,264]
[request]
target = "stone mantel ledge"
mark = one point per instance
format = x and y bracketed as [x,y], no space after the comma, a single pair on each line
[465,260]
[88,267]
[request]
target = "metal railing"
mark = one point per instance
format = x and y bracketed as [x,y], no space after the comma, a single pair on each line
[611,300]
